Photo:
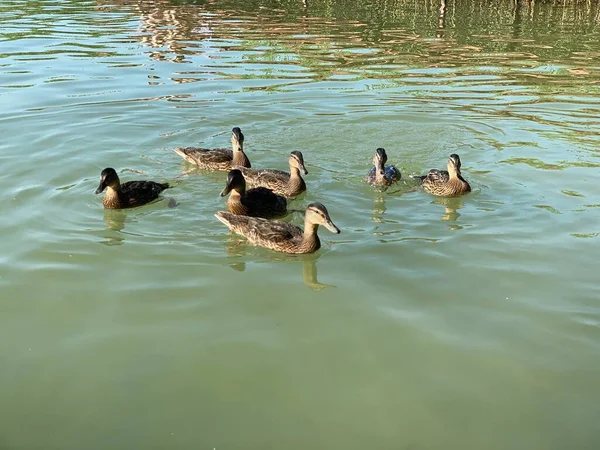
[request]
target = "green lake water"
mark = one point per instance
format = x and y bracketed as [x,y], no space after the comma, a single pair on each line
[428,323]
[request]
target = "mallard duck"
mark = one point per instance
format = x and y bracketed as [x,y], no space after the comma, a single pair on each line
[257,202]
[218,158]
[282,183]
[282,236]
[129,194]
[446,183]
[382,174]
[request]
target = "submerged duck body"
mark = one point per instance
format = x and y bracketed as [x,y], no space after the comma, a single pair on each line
[129,194]
[444,183]
[288,184]
[282,236]
[257,202]
[381,174]
[218,158]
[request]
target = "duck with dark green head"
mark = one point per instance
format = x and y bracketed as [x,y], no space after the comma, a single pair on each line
[129,194]
[381,174]
[444,183]
[218,158]
[256,202]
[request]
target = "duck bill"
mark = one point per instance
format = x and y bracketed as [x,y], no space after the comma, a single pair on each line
[331,227]
[303,169]
[226,191]
[101,187]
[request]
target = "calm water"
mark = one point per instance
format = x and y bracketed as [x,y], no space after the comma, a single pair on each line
[470,323]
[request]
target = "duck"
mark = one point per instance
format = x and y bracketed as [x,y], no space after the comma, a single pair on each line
[129,194]
[288,184]
[381,174]
[218,158]
[444,183]
[282,236]
[256,202]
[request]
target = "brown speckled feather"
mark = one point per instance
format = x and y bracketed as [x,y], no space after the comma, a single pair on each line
[273,234]
[392,175]
[446,183]
[213,158]
[278,181]
[438,182]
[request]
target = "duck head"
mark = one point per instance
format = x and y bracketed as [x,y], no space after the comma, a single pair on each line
[237,139]
[108,178]
[379,160]
[235,182]
[317,214]
[297,161]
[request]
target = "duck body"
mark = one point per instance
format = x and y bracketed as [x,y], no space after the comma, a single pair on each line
[391,175]
[288,184]
[129,194]
[256,202]
[282,236]
[382,174]
[222,159]
[446,183]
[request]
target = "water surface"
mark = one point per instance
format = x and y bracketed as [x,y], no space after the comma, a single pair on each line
[427,323]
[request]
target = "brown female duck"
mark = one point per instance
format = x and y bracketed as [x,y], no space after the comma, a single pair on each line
[381,174]
[283,183]
[282,236]
[446,183]
[257,202]
[218,158]
[129,194]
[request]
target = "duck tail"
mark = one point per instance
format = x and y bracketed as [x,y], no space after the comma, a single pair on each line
[180,151]
[221,215]
[164,185]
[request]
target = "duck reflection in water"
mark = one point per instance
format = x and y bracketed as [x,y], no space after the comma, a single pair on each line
[379,208]
[115,223]
[238,248]
[451,206]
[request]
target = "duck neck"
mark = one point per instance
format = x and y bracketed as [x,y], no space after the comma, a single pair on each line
[111,198]
[457,178]
[454,172]
[296,182]
[234,202]
[239,157]
[310,239]
[379,171]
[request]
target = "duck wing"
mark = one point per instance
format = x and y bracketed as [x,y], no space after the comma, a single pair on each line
[437,176]
[263,202]
[370,178]
[273,231]
[260,231]
[210,156]
[264,175]
[392,174]
[139,192]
